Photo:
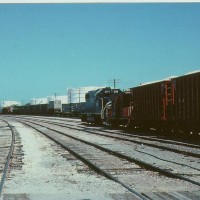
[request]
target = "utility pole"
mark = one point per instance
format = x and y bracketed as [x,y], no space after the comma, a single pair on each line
[75,92]
[55,94]
[34,105]
[79,94]
[114,81]
[70,100]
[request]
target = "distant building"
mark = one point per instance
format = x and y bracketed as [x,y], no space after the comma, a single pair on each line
[63,99]
[35,101]
[48,99]
[76,95]
[9,103]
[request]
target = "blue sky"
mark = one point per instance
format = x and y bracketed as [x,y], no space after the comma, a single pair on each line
[46,48]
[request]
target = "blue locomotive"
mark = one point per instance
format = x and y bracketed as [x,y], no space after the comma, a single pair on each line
[96,101]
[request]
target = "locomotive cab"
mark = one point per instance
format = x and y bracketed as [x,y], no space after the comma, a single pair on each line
[96,101]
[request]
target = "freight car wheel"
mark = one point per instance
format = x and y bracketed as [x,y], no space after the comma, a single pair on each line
[84,118]
[114,124]
[97,120]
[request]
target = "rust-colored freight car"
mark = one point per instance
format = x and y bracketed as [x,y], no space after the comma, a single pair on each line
[187,102]
[152,104]
[119,111]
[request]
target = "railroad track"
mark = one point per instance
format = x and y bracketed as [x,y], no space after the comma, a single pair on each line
[79,154]
[9,156]
[142,140]
[117,132]
[174,163]
[98,161]
[147,166]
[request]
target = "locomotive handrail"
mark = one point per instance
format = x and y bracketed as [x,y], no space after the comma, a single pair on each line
[103,110]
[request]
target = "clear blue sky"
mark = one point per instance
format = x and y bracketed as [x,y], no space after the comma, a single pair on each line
[46,48]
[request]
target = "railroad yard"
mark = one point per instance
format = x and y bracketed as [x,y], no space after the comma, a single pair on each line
[99,100]
[63,158]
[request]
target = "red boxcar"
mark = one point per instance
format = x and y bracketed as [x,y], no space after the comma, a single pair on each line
[153,104]
[187,102]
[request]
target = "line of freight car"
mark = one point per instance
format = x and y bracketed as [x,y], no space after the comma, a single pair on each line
[171,105]
[168,105]
[53,107]
[39,109]
[71,109]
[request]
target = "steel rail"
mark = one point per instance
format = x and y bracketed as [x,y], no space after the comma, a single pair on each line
[124,133]
[8,157]
[155,139]
[125,139]
[120,155]
[61,124]
[139,136]
[87,162]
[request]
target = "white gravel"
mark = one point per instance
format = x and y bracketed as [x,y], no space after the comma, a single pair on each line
[45,174]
